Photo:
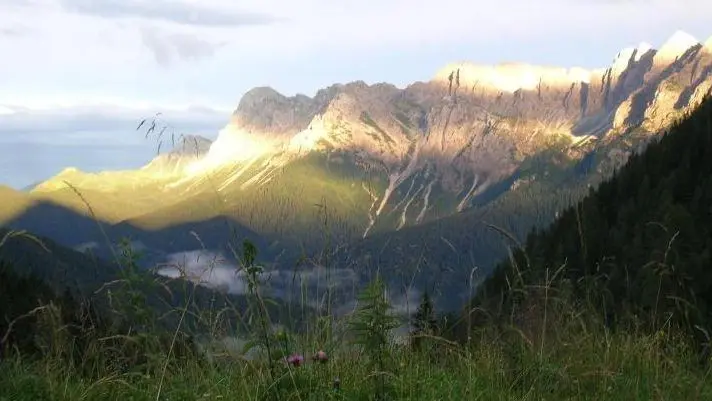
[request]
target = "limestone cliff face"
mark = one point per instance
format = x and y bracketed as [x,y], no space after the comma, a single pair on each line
[471,125]
[449,139]
[264,107]
[674,79]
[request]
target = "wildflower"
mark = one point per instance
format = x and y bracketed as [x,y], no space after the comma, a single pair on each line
[295,359]
[320,357]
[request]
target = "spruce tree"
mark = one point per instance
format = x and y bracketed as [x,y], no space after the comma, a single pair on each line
[424,321]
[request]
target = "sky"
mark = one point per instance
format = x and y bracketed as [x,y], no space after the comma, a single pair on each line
[76,76]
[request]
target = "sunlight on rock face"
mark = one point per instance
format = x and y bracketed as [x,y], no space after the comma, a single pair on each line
[628,55]
[307,140]
[675,46]
[708,44]
[510,77]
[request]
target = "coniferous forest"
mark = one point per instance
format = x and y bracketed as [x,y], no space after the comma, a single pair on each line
[637,249]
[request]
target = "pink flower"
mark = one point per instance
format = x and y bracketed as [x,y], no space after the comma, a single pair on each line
[320,357]
[295,359]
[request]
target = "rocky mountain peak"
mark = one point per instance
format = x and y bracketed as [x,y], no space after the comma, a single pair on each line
[510,77]
[265,107]
[708,44]
[260,94]
[630,55]
[677,45]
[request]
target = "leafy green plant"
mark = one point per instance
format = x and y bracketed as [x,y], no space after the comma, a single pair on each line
[128,299]
[371,325]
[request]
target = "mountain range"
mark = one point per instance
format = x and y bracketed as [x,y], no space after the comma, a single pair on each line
[426,182]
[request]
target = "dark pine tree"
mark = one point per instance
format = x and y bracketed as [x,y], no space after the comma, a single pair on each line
[425,321]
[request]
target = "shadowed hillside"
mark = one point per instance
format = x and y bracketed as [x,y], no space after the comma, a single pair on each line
[86,278]
[80,227]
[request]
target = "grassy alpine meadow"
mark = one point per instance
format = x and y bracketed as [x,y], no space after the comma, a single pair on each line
[617,368]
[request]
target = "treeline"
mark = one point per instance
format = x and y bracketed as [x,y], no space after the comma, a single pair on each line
[21,300]
[38,322]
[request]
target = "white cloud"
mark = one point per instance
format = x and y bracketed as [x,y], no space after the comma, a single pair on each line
[166,48]
[106,123]
[181,12]
[16,30]
[213,270]
[209,269]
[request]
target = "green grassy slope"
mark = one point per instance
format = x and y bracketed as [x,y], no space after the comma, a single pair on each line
[297,207]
